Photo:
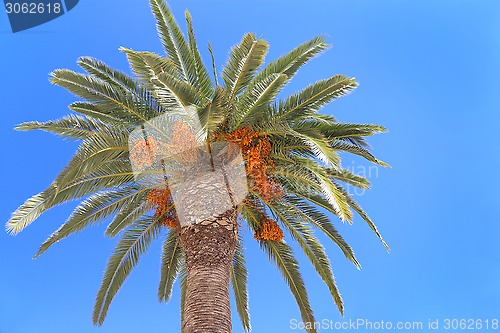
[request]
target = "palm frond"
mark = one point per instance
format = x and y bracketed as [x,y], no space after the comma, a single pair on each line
[30,211]
[300,184]
[313,98]
[76,181]
[171,262]
[342,145]
[121,81]
[255,98]
[290,63]
[147,65]
[156,73]
[114,174]
[214,68]
[135,209]
[252,216]
[90,211]
[358,209]
[95,152]
[282,256]
[336,130]
[135,241]
[348,177]
[319,146]
[174,41]
[303,142]
[95,112]
[323,223]
[239,281]
[303,168]
[112,76]
[202,79]
[212,115]
[185,92]
[296,223]
[119,104]
[183,284]
[72,127]
[244,60]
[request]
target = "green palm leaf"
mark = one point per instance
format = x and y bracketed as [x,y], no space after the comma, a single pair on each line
[358,209]
[323,223]
[239,281]
[304,169]
[95,112]
[183,284]
[171,262]
[282,256]
[95,152]
[99,180]
[255,98]
[296,224]
[244,60]
[202,79]
[155,73]
[349,177]
[336,130]
[147,65]
[314,97]
[93,210]
[319,147]
[290,63]
[212,115]
[135,241]
[57,194]
[357,150]
[299,182]
[184,92]
[72,127]
[112,76]
[174,41]
[30,211]
[137,207]
[122,105]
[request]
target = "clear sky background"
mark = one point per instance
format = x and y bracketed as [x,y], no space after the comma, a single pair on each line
[428,70]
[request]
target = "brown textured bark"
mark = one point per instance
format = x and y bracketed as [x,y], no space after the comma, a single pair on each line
[209,248]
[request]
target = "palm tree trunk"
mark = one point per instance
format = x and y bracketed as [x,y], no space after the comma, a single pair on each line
[209,248]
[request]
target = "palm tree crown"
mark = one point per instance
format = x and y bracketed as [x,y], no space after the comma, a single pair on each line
[291,153]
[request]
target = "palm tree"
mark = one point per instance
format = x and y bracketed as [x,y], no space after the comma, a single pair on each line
[291,153]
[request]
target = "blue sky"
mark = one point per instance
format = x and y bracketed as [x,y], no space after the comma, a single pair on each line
[429,71]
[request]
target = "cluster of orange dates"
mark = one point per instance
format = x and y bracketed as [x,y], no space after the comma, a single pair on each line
[256,149]
[269,230]
[161,201]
